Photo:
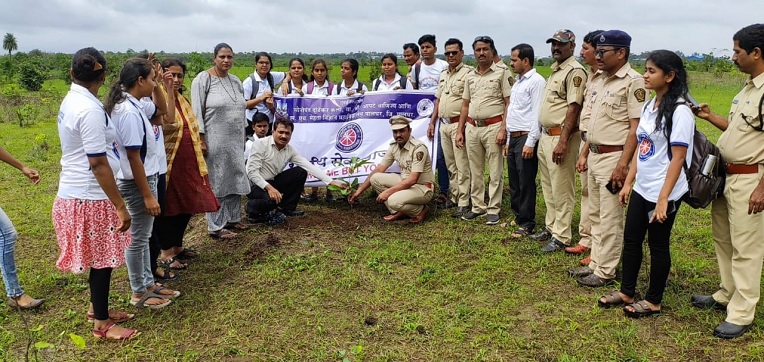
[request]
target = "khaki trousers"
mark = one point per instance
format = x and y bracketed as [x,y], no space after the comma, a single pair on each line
[457,163]
[607,216]
[410,201]
[558,185]
[739,242]
[481,143]
[585,224]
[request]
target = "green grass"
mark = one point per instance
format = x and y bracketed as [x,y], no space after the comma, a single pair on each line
[341,283]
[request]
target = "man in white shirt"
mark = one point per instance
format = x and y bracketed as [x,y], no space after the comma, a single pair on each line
[523,130]
[273,187]
[426,76]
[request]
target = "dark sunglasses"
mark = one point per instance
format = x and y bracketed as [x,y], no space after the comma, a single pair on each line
[451,53]
[601,52]
[484,39]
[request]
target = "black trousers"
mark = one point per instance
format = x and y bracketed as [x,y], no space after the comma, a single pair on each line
[155,238]
[522,183]
[658,234]
[290,183]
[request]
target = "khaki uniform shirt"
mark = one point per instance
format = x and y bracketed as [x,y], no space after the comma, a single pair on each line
[741,143]
[586,110]
[565,86]
[486,92]
[413,157]
[450,90]
[617,99]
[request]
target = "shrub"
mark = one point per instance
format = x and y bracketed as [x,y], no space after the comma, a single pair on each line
[31,79]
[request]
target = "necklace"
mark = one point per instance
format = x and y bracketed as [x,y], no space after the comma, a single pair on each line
[224,88]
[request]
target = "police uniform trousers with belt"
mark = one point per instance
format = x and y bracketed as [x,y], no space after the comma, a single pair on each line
[585,223]
[456,161]
[558,184]
[739,243]
[410,201]
[607,216]
[481,143]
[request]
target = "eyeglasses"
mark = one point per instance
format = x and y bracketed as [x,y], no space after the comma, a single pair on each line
[484,39]
[601,52]
[451,53]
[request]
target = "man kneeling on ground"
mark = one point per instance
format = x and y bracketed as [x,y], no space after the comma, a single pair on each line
[275,191]
[405,195]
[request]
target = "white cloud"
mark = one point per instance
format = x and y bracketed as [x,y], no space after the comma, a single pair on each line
[330,26]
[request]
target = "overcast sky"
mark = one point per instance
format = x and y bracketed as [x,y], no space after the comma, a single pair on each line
[327,26]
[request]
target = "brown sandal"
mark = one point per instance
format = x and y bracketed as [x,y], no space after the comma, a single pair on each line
[224,234]
[641,309]
[613,299]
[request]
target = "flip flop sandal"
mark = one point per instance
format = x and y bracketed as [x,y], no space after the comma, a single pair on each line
[224,234]
[141,303]
[519,233]
[171,264]
[159,287]
[187,254]
[115,316]
[238,226]
[641,309]
[128,334]
[611,300]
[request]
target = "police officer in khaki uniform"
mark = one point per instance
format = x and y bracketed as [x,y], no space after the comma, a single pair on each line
[558,146]
[405,195]
[585,223]
[618,98]
[448,105]
[483,114]
[738,221]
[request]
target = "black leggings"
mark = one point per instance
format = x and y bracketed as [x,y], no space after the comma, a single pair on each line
[658,234]
[100,280]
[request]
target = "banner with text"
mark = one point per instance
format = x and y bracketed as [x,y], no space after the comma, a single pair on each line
[330,131]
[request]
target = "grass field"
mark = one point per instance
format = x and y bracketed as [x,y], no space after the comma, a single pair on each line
[340,284]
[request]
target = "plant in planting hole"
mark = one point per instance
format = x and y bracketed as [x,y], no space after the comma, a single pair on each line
[355,164]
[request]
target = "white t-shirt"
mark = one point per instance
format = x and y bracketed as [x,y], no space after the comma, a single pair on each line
[85,130]
[263,87]
[340,89]
[322,90]
[395,85]
[150,109]
[429,75]
[304,87]
[652,151]
[133,128]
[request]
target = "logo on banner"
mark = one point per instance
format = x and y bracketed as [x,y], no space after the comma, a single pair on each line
[349,137]
[425,107]
[645,146]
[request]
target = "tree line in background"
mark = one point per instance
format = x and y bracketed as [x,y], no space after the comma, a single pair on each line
[32,68]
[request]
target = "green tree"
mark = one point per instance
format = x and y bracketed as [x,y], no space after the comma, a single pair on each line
[9,43]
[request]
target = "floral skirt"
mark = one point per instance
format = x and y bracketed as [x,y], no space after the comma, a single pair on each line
[87,235]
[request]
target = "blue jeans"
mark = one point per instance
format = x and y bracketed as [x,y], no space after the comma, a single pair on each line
[440,166]
[7,243]
[137,255]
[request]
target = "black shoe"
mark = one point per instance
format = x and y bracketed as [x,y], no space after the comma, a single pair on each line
[729,330]
[580,272]
[460,211]
[469,215]
[330,196]
[259,218]
[706,302]
[554,245]
[448,204]
[542,235]
[293,213]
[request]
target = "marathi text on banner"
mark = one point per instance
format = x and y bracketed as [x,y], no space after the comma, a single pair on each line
[330,131]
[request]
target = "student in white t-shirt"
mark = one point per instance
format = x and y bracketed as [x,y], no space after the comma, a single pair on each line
[264,81]
[427,74]
[390,79]
[141,152]
[298,84]
[349,84]
[664,144]
[259,130]
[319,85]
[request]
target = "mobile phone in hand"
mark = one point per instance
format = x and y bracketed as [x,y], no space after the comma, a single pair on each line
[612,188]
[670,209]
[692,101]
